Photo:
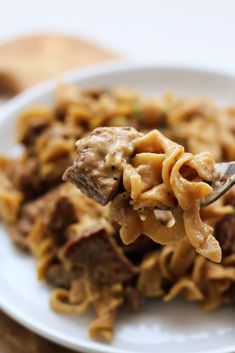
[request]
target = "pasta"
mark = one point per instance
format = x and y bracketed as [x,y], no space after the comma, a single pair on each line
[77,242]
[196,279]
[158,174]
[162,175]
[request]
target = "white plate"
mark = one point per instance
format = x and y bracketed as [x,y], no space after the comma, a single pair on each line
[158,327]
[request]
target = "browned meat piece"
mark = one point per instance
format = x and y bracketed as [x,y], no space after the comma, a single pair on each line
[58,276]
[101,157]
[34,209]
[225,234]
[55,209]
[95,250]
[25,177]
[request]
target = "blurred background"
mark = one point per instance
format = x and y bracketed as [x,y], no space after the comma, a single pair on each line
[186,31]
[40,39]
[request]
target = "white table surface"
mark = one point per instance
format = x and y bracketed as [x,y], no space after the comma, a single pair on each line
[194,32]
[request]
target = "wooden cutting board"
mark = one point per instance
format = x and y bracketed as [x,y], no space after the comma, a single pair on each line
[24,62]
[29,60]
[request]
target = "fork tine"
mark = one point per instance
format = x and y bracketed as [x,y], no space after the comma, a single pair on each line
[224,179]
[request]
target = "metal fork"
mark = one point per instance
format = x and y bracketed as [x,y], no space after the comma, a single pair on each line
[223,180]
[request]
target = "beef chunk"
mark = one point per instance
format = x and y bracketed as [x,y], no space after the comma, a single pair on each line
[55,209]
[58,276]
[97,251]
[225,234]
[101,157]
[35,209]
[25,177]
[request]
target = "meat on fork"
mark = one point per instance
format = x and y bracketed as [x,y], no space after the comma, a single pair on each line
[97,172]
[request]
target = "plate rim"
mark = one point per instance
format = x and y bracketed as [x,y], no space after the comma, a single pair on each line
[111,66]
[47,86]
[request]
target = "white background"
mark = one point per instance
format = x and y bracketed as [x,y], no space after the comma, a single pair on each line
[200,32]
